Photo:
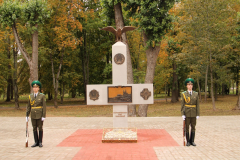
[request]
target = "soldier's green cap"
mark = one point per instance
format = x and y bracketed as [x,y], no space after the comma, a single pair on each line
[189,81]
[37,83]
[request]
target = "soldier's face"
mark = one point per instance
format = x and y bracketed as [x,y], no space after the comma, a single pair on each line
[35,89]
[189,87]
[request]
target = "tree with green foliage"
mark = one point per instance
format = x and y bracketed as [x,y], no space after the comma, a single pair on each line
[31,14]
[153,20]
[208,28]
[236,57]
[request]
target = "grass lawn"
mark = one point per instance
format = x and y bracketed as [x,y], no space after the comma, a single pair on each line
[74,107]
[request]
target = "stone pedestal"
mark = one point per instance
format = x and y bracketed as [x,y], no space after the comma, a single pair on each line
[120,116]
[119,94]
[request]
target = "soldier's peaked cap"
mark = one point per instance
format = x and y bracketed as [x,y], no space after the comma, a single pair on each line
[36,83]
[189,81]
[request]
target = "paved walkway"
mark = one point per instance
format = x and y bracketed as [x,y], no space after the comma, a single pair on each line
[217,137]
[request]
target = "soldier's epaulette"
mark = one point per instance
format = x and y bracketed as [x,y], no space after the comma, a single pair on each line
[42,93]
[31,94]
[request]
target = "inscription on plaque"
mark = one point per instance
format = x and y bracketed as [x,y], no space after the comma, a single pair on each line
[119,58]
[120,94]
[145,94]
[94,95]
[120,114]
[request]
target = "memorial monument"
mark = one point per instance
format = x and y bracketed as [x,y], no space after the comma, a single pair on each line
[119,93]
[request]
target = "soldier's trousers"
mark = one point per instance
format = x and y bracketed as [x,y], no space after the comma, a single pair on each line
[37,123]
[190,121]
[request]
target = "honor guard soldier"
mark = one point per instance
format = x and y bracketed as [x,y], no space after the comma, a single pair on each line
[190,110]
[37,107]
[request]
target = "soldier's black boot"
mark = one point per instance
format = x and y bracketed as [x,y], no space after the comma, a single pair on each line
[192,139]
[187,137]
[40,138]
[35,139]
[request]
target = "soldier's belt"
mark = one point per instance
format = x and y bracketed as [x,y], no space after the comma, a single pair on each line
[37,107]
[190,105]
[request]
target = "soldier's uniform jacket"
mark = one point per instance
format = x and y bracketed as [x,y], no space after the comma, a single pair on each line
[37,106]
[190,104]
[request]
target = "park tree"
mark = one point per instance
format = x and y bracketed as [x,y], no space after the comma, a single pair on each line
[236,57]
[59,38]
[163,71]
[94,51]
[153,20]
[207,29]
[30,14]
[6,63]
[173,49]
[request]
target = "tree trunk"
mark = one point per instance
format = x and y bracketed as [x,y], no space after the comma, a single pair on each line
[223,89]
[9,78]
[166,92]
[212,92]
[56,79]
[55,85]
[32,63]
[238,102]
[55,98]
[49,96]
[152,54]
[63,91]
[199,90]
[175,84]
[83,57]
[237,82]
[34,66]
[206,90]
[216,91]
[15,80]
[8,90]
[73,93]
[11,90]
[237,90]
[120,24]
[179,89]
[233,86]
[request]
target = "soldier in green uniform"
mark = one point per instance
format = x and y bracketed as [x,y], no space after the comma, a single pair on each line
[37,107]
[190,110]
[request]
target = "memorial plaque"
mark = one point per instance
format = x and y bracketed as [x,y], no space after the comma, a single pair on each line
[94,94]
[120,94]
[145,94]
[119,58]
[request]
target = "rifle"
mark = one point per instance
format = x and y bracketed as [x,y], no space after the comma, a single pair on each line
[27,134]
[184,133]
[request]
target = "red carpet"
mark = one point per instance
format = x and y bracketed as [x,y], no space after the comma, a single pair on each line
[94,149]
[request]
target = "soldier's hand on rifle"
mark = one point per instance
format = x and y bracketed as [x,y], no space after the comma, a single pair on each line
[43,118]
[183,116]
[27,118]
[197,117]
